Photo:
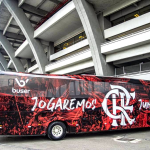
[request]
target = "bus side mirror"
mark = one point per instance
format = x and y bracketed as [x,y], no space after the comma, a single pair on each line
[10,82]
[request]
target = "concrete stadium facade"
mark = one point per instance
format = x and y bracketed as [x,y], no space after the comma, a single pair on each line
[100,37]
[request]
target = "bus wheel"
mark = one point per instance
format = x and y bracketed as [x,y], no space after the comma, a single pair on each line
[56,130]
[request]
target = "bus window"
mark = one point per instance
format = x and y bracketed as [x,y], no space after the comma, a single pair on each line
[57,91]
[51,91]
[83,88]
[63,89]
[90,87]
[11,82]
[99,87]
[71,88]
[77,88]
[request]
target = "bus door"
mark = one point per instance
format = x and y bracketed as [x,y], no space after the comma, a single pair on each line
[10,119]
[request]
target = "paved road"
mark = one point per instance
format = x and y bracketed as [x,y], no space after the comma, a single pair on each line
[138,139]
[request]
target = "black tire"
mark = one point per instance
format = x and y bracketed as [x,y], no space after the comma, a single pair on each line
[54,126]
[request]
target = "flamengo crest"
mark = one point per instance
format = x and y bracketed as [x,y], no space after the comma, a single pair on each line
[114,93]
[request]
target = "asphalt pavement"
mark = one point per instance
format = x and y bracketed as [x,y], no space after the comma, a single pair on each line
[134,139]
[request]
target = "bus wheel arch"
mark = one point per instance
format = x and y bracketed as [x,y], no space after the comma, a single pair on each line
[57,130]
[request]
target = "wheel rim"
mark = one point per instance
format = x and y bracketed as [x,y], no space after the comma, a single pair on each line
[57,131]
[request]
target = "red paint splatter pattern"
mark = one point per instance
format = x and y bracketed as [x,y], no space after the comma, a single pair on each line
[16,103]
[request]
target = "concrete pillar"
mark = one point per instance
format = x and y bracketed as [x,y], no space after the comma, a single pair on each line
[10,51]
[94,35]
[3,62]
[28,31]
[50,50]
[107,23]
[1,67]
[101,24]
[28,63]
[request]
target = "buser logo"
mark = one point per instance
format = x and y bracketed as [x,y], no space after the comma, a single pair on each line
[21,83]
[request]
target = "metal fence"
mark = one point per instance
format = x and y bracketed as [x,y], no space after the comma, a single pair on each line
[132,69]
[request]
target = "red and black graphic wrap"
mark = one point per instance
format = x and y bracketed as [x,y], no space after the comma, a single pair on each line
[30,102]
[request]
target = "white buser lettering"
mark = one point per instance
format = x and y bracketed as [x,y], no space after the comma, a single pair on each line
[20,90]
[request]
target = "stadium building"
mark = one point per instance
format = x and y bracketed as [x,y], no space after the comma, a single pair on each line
[99,37]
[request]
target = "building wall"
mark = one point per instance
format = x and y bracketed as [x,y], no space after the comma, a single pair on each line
[80,39]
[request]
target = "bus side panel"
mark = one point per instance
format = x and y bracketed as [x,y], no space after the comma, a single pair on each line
[126,103]
[16,93]
[96,104]
[29,103]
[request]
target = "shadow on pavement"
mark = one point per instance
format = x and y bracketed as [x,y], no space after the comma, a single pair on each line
[107,133]
[26,139]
